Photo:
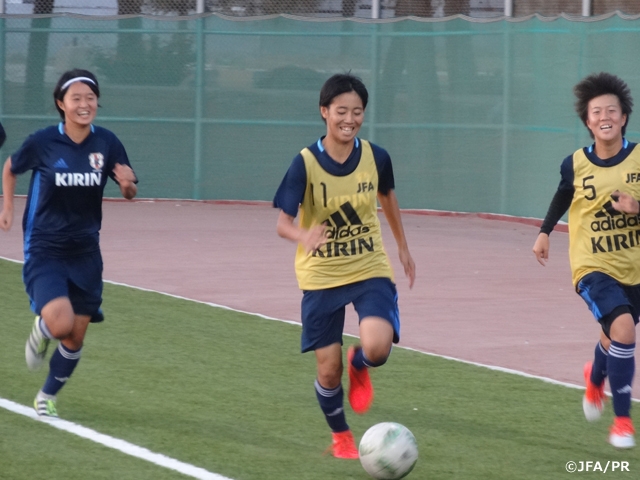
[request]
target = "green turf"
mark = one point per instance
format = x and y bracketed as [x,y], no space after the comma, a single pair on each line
[230,393]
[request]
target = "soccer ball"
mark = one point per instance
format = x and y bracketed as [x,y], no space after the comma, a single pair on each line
[388,451]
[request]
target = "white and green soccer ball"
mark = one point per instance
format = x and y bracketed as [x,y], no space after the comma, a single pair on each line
[388,451]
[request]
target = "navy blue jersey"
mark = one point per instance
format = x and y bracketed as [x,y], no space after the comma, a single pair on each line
[291,191]
[63,214]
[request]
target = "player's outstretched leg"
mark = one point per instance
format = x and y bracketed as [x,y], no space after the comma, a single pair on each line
[360,387]
[37,344]
[621,367]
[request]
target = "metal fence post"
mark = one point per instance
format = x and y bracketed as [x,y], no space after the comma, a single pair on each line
[199,100]
[508,8]
[375,9]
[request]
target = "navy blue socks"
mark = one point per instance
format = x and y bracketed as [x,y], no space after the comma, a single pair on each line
[332,404]
[621,367]
[599,369]
[62,364]
[360,361]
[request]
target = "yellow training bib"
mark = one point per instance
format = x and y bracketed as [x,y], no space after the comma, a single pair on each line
[347,205]
[600,238]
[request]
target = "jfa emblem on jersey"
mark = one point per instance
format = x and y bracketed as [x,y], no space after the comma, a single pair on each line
[96,160]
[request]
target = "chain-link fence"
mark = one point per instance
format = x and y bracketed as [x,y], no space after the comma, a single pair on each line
[324,8]
[478,114]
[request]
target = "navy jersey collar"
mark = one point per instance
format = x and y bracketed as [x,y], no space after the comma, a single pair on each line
[625,144]
[330,165]
[61,128]
[619,157]
[321,147]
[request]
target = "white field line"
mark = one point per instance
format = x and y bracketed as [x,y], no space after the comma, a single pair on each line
[115,443]
[446,357]
[111,442]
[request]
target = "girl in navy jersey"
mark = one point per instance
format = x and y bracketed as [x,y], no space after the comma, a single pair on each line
[599,186]
[336,184]
[69,163]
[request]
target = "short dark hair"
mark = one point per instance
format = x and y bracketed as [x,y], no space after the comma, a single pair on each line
[598,84]
[342,83]
[59,92]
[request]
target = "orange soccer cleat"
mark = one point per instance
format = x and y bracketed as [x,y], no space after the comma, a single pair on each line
[593,400]
[621,433]
[343,445]
[360,388]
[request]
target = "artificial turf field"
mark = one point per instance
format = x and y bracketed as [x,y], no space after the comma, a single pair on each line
[230,393]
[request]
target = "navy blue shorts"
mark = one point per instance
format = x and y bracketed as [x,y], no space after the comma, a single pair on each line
[77,278]
[323,310]
[607,298]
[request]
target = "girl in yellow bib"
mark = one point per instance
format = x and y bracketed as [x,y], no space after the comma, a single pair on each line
[599,187]
[336,183]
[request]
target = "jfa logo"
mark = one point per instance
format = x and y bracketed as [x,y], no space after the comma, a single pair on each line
[633,177]
[364,187]
[96,160]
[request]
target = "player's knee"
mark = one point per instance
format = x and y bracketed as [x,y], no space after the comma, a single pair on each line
[619,326]
[378,362]
[60,329]
[73,343]
[622,329]
[60,326]
[376,357]
[329,380]
[59,317]
[330,375]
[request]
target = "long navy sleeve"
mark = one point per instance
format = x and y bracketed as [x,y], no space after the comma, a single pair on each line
[559,205]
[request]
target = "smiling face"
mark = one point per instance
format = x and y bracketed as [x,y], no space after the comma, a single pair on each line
[344,117]
[605,118]
[79,104]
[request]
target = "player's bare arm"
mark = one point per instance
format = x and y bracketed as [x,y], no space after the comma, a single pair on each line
[541,249]
[391,210]
[126,179]
[8,191]
[311,239]
[625,203]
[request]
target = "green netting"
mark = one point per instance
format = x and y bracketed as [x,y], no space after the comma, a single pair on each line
[477,116]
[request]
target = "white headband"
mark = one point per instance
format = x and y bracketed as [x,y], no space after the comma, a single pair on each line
[74,80]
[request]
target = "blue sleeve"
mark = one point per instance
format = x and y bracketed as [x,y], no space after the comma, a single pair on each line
[386,181]
[26,157]
[566,174]
[117,154]
[562,199]
[290,193]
